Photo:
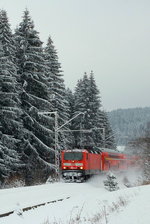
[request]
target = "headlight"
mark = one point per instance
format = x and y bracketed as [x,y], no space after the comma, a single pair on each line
[81,168]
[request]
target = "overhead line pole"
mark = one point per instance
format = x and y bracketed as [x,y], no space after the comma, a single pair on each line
[70,120]
[56,140]
[57,129]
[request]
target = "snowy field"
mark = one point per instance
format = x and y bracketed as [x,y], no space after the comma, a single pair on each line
[88,203]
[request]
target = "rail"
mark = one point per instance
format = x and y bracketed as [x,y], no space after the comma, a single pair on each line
[32,207]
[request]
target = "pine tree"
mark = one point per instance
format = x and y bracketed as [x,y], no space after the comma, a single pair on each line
[109,138]
[96,115]
[82,104]
[70,99]
[88,101]
[111,184]
[99,132]
[10,112]
[10,161]
[7,40]
[57,91]
[35,98]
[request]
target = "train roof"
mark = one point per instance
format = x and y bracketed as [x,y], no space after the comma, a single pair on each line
[74,150]
[100,150]
[96,150]
[110,150]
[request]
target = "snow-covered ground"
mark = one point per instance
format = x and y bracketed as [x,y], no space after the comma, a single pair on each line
[89,203]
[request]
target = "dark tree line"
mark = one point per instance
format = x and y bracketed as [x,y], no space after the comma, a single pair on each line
[129,124]
[31,81]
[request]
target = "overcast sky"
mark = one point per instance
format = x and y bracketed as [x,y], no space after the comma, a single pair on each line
[110,37]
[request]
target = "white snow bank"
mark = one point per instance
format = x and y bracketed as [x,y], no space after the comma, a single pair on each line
[87,202]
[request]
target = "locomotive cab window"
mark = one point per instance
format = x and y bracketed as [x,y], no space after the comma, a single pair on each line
[73,156]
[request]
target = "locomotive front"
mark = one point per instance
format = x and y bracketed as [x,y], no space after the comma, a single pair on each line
[73,165]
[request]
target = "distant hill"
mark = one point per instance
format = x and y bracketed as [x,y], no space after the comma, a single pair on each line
[129,123]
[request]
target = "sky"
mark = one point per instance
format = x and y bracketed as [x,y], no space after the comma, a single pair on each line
[112,38]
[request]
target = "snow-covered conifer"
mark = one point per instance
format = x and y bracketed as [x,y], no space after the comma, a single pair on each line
[70,100]
[10,161]
[88,101]
[111,183]
[57,91]
[109,137]
[35,99]
[6,38]
[10,111]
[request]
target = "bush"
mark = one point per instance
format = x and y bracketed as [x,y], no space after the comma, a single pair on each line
[111,184]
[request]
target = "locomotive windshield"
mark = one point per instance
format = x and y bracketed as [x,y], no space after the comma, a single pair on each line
[73,156]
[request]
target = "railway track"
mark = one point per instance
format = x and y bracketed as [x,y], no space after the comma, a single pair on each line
[33,207]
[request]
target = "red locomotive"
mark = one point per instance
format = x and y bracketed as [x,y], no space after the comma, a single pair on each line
[79,164]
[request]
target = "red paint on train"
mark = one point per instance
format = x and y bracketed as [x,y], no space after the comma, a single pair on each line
[79,164]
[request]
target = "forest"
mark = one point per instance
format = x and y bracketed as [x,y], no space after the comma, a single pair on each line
[129,124]
[32,84]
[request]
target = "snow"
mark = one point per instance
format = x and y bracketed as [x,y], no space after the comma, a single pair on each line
[120,148]
[137,211]
[88,203]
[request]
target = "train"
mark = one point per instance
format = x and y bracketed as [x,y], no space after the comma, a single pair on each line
[78,165]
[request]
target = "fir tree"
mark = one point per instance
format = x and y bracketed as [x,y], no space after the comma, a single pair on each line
[70,99]
[109,138]
[7,40]
[82,104]
[35,98]
[9,100]
[57,91]
[10,112]
[10,161]
[111,184]
[71,104]
[95,124]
